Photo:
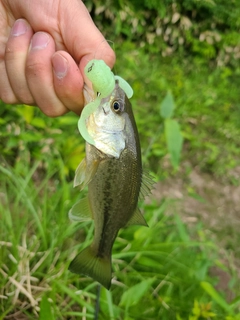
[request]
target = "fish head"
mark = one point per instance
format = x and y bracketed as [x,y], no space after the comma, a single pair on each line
[106,124]
[108,116]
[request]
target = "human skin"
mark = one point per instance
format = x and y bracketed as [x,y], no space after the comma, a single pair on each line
[44,47]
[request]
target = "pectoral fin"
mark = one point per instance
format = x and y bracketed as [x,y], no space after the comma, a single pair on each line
[81,211]
[84,173]
[137,219]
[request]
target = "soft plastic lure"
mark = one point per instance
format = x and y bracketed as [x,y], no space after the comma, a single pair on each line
[103,83]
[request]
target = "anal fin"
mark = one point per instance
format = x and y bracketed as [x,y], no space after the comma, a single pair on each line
[137,219]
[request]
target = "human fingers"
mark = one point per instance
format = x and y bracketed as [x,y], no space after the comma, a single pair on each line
[82,38]
[73,30]
[6,92]
[39,75]
[69,23]
[15,61]
[68,81]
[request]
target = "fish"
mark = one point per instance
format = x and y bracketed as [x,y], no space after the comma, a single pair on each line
[112,170]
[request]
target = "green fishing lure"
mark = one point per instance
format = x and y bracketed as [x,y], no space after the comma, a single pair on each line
[103,83]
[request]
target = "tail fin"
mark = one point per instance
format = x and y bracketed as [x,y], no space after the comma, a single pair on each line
[98,268]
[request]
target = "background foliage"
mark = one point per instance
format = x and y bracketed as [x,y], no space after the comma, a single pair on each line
[208,30]
[182,59]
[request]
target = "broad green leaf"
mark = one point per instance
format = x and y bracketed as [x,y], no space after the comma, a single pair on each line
[133,295]
[30,137]
[45,310]
[68,120]
[174,140]
[27,112]
[215,295]
[38,122]
[167,106]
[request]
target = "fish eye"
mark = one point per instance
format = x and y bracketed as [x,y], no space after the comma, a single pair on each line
[116,105]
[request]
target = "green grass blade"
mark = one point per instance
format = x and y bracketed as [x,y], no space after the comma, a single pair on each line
[215,295]
[134,294]
[45,310]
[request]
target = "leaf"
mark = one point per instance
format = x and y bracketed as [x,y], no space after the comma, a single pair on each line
[167,106]
[68,120]
[30,137]
[45,310]
[38,122]
[174,140]
[27,112]
[236,300]
[183,234]
[133,295]
[215,295]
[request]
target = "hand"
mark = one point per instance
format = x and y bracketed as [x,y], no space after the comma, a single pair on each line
[44,47]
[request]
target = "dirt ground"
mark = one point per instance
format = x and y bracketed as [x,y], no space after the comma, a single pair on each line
[215,203]
[218,205]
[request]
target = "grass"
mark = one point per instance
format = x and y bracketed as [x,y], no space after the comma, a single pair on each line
[160,272]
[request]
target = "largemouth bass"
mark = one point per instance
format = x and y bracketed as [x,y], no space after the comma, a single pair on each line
[113,172]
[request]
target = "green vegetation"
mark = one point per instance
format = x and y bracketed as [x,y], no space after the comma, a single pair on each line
[165,271]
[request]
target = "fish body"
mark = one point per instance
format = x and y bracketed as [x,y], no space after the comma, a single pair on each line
[114,189]
[113,172]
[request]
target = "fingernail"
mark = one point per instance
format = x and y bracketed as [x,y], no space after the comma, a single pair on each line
[60,65]
[40,40]
[20,27]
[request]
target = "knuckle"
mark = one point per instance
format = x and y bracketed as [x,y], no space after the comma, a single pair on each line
[35,68]
[9,54]
[26,99]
